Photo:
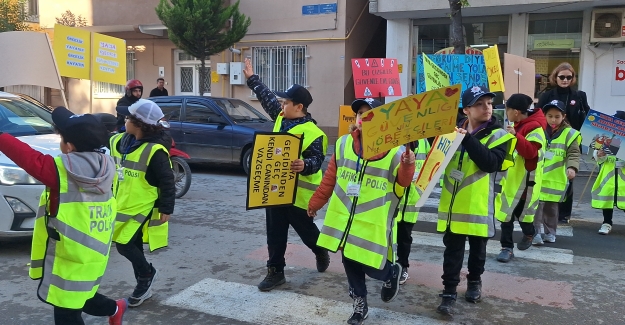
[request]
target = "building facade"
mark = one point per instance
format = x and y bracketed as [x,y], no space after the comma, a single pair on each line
[586,33]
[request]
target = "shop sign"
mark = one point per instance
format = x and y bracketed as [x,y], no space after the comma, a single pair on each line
[618,73]
[553,44]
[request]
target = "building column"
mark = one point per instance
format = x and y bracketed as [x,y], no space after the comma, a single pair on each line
[398,47]
[517,34]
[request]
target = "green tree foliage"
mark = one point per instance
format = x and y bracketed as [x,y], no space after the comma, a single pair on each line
[13,16]
[202,28]
[69,19]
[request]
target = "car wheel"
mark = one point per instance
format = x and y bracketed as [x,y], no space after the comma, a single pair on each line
[182,176]
[246,160]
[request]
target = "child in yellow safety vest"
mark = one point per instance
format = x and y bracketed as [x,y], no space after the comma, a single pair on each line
[360,221]
[74,224]
[561,163]
[609,188]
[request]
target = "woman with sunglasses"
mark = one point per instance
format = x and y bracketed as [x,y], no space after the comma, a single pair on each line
[576,107]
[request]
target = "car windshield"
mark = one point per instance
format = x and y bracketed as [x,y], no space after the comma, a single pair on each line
[19,118]
[240,111]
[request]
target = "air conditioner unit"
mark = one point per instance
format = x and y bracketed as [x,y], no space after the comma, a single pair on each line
[608,25]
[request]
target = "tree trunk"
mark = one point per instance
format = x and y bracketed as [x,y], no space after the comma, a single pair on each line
[457,37]
[202,75]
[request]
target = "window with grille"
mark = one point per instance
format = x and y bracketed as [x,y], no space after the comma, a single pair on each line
[279,67]
[105,89]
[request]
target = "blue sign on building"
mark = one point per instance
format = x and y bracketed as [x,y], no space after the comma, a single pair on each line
[310,10]
[319,9]
[327,8]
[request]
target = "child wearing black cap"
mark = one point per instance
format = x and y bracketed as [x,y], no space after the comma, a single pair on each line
[561,163]
[465,210]
[292,116]
[74,225]
[521,183]
[360,222]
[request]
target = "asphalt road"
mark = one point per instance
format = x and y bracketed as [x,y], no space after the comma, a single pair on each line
[217,254]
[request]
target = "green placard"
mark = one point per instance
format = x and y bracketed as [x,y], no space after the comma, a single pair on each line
[547,44]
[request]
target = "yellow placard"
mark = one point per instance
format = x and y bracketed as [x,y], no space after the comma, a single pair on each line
[271,182]
[109,59]
[409,119]
[346,118]
[214,77]
[72,48]
[493,69]
[435,77]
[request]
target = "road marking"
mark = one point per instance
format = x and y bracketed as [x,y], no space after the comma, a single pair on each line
[246,303]
[543,254]
[563,230]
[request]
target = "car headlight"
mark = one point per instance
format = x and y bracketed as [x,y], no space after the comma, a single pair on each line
[18,206]
[15,176]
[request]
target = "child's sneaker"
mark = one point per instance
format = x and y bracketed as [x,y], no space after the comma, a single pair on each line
[550,238]
[404,276]
[118,317]
[361,311]
[605,229]
[538,240]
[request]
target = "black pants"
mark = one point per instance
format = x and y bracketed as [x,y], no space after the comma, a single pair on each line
[404,242]
[133,251]
[454,256]
[507,228]
[278,221]
[99,305]
[607,216]
[356,275]
[566,207]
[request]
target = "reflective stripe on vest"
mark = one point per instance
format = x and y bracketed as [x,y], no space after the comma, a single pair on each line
[467,207]
[407,211]
[306,184]
[517,180]
[135,196]
[554,182]
[603,190]
[72,267]
[365,231]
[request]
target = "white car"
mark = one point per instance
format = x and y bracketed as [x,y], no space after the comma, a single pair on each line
[19,191]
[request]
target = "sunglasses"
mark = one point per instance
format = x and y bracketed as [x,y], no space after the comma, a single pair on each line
[565,77]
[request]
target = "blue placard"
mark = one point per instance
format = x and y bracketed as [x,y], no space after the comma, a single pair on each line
[327,8]
[468,70]
[310,10]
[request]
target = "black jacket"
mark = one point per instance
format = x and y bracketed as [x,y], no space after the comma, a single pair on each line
[487,160]
[576,104]
[124,101]
[159,173]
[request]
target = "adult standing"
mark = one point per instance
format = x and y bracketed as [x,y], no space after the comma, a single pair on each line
[160,89]
[562,79]
[133,92]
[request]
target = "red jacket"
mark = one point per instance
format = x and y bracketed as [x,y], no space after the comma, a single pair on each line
[527,149]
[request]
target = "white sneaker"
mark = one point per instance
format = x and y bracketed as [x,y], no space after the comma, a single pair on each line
[605,229]
[538,240]
[549,238]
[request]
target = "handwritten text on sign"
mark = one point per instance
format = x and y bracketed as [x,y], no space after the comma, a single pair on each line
[409,119]
[435,77]
[376,77]
[270,181]
[493,69]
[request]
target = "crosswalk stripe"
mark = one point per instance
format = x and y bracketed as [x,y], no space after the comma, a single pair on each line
[246,303]
[543,254]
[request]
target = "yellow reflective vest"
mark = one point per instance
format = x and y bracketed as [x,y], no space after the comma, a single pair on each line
[555,182]
[306,184]
[136,197]
[467,205]
[364,226]
[407,211]
[609,188]
[517,179]
[71,265]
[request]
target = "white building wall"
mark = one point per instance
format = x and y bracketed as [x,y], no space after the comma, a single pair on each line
[398,36]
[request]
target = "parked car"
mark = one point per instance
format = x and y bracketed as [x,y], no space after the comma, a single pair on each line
[213,129]
[20,192]
[34,101]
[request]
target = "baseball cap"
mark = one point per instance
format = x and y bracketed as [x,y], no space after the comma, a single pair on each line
[298,94]
[471,95]
[357,104]
[85,131]
[521,102]
[145,110]
[554,103]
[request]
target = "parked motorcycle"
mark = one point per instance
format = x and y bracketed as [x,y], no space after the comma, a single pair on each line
[181,169]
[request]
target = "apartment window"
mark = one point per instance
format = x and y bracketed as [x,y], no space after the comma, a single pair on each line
[279,67]
[33,7]
[105,89]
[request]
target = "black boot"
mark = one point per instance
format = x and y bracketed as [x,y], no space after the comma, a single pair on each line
[449,299]
[323,261]
[272,280]
[361,311]
[474,291]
